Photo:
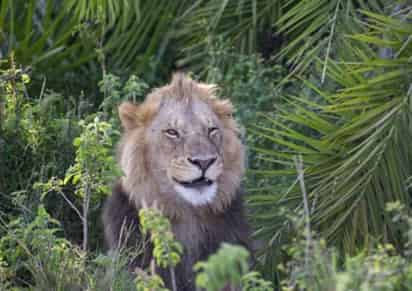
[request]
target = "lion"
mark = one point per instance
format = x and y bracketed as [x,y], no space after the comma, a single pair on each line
[181,151]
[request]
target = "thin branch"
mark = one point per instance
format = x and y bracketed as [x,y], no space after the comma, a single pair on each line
[86,202]
[308,234]
[72,206]
[173,276]
[332,31]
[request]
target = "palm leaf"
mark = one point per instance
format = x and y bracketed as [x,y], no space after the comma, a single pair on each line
[241,23]
[318,26]
[62,36]
[355,143]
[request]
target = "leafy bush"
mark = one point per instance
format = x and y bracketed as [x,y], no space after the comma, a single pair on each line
[36,135]
[36,256]
[379,268]
[248,80]
[229,267]
[94,169]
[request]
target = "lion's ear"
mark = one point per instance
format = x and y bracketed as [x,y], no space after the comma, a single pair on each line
[129,115]
[223,108]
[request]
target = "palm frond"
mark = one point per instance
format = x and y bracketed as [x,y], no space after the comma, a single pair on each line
[355,142]
[59,37]
[241,23]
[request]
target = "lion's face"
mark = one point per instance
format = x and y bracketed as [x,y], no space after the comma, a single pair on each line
[186,144]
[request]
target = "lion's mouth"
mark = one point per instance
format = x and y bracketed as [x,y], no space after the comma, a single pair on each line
[199,182]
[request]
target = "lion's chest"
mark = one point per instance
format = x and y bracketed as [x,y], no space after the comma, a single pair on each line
[199,237]
[190,233]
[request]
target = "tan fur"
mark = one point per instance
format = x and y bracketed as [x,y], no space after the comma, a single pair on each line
[145,182]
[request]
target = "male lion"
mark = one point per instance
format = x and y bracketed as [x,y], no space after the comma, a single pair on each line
[181,151]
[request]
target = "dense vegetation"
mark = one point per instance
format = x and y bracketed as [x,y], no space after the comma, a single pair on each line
[323,88]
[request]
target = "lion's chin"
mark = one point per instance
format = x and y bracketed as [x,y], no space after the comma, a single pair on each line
[197,196]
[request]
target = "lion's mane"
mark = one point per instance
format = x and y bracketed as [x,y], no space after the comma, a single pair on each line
[134,157]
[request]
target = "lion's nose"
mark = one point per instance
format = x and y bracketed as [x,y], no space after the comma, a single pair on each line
[202,163]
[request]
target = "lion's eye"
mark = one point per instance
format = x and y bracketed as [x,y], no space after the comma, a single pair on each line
[171,133]
[213,130]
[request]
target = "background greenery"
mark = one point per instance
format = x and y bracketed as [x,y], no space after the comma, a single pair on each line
[323,89]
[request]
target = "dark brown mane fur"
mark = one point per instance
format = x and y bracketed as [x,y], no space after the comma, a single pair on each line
[229,226]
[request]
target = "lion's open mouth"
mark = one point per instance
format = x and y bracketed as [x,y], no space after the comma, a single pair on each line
[199,182]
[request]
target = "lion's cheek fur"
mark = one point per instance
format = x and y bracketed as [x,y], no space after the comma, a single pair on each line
[233,169]
[131,152]
[136,180]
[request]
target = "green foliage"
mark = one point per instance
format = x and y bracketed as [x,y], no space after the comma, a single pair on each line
[354,141]
[225,267]
[94,168]
[229,267]
[379,268]
[34,255]
[347,114]
[36,136]
[317,30]
[253,281]
[243,76]
[94,165]
[44,35]
[5,274]
[34,251]
[109,272]
[70,41]
[135,88]
[144,282]
[114,91]
[107,11]
[166,250]
[248,25]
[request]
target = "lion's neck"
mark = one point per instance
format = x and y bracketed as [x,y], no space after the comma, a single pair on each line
[173,206]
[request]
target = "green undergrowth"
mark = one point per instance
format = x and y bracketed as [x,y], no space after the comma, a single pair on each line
[57,165]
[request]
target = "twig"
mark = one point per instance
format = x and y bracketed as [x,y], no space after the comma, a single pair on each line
[72,206]
[86,202]
[173,277]
[308,234]
[43,88]
[332,31]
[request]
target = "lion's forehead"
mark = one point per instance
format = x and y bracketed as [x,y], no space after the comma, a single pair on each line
[189,116]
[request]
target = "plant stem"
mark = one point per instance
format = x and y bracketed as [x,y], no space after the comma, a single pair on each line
[86,202]
[72,206]
[308,234]
[173,277]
